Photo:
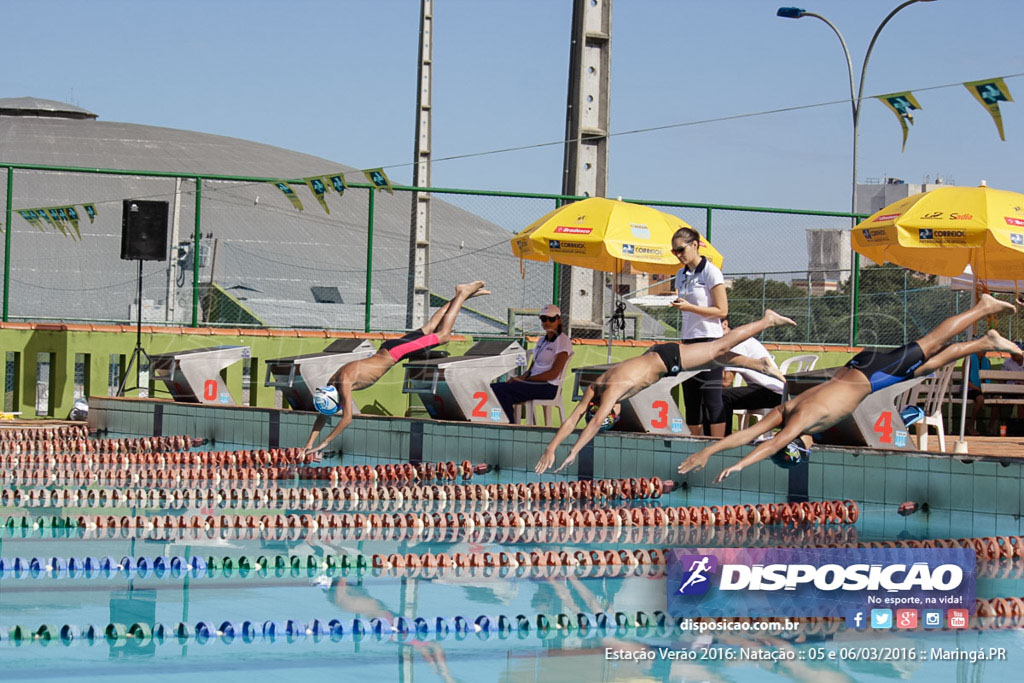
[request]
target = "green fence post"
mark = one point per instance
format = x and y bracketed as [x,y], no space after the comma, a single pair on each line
[707,223]
[7,241]
[808,307]
[195,252]
[556,277]
[856,297]
[369,260]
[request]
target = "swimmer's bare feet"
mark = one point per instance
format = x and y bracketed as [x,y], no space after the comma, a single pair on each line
[998,342]
[994,305]
[769,367]
[471,289]
[774,319]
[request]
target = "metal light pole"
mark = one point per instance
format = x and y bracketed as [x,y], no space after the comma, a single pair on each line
[855,98]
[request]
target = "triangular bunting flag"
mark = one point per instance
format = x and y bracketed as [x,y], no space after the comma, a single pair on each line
[989,93]
[379,179]
[338,182]
[72,215]
[32,218]
[902,104]
[90,211]
[317,187]
[289,193]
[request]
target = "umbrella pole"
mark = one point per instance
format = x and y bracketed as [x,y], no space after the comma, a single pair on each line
[615,289]
[961,445]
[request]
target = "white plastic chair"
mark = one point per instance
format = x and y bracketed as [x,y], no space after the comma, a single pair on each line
[804,363]
[530,407]
[930,395]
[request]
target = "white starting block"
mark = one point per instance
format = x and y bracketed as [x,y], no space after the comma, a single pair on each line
[876,422]
[652,410]
[298,376]
[194,376]
[459,387]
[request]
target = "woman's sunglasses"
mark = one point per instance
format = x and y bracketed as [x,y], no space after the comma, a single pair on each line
[548,318]
[680,250]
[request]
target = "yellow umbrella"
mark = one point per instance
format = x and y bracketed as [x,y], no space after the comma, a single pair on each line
[943,231]
[602,234]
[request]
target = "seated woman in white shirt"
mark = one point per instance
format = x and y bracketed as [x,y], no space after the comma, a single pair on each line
[541,380]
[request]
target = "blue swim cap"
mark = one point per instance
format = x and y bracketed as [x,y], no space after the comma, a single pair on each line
[326,401]
[792,455]
[912,415]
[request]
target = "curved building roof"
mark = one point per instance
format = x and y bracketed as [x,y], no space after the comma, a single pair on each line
[264,253]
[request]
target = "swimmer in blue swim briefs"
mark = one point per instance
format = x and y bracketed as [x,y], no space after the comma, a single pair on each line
[815,410]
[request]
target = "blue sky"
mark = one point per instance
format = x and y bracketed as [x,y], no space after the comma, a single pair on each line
[337,79]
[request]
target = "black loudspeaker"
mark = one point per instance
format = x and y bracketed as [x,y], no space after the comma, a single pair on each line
[143,230]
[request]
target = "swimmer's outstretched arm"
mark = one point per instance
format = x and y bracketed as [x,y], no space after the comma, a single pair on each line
[548,459]
[698,460]
[764,449]
[349,409]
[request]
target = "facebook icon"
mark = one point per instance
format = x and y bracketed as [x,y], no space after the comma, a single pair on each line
[856,620]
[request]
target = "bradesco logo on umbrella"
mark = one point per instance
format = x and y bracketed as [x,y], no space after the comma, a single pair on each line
[817,582]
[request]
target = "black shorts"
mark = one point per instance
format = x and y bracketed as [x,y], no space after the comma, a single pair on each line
[669,354]
[885,368]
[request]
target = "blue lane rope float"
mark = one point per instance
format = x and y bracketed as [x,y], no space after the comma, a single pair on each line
[177,567]
[402,629]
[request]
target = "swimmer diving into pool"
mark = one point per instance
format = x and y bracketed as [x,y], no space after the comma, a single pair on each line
[364,373]
[823,406]
[633,375]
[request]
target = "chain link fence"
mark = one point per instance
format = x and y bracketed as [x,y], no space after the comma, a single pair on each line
[259,261]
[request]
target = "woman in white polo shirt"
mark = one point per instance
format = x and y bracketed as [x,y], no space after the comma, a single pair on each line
[541,380]
[701,297]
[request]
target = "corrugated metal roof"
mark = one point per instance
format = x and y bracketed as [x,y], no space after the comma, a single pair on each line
[263,245]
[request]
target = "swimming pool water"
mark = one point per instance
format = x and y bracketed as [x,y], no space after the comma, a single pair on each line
[323,594]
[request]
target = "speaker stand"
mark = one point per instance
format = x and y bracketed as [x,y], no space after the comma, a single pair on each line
[139,352]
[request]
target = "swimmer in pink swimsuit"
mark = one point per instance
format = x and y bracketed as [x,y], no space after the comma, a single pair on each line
[364,373]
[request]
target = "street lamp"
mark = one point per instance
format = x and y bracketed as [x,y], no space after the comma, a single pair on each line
[855,97]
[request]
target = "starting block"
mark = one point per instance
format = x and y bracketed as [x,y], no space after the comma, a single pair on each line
[876,422]
[459,387]
[194,376]
[652,411]
[298,376]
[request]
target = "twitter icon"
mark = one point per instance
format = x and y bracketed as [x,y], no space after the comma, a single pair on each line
[881,618]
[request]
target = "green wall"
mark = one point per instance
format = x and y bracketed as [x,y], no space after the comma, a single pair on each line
[97,345]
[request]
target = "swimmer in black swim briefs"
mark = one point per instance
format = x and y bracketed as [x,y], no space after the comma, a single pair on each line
[669,354]
[625,379]
[815,410]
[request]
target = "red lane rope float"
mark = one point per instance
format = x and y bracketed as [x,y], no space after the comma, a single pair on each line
[58,432]
[49,445]
[240,465]
[325,497]
[785,513]
[675,536]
